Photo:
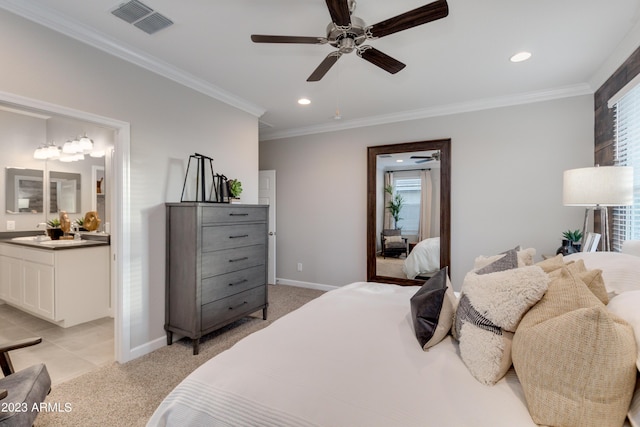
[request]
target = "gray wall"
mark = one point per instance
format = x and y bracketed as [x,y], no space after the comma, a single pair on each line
[168,123]
[507,166]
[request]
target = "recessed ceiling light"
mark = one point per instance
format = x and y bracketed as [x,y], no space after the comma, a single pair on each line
[304,101]
[520,56]
[399,161]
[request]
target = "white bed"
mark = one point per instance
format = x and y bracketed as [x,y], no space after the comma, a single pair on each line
[351,358]
[347,358]
[424,259]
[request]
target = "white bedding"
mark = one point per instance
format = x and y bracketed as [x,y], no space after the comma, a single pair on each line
[347,358]
[423,259]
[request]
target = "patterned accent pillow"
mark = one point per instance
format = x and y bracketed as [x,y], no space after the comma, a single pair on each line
[432,310]
[490,308]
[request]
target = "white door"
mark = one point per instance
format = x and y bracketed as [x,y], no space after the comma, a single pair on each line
[267,196]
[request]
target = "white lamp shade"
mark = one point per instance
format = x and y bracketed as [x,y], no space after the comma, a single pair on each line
[598,186]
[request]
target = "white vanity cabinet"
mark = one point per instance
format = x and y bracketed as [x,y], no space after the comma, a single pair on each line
[66,287]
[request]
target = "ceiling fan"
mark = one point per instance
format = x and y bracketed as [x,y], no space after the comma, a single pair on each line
[347,33]
[425,159]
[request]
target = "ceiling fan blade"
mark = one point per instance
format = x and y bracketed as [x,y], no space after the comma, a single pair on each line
[339,11]
[258,38]
[324,66]
[380,59]
[430,12]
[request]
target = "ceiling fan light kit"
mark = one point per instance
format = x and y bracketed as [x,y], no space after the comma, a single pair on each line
[348,33]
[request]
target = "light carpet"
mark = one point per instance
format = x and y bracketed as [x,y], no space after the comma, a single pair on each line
[127,394]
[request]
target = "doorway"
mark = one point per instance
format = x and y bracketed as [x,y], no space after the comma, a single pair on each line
[267,196]
[119,170]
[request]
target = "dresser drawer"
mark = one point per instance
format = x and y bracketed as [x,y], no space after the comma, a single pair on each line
[218,287]
[226,261]
[233,236]
[234,214]
[225,309]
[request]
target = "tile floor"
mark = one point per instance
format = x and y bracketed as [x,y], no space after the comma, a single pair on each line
[67,352]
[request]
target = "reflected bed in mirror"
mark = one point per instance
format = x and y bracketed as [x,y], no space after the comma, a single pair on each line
[408,211]
[24,193]
[64,192]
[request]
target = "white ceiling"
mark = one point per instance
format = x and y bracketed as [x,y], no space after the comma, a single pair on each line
[457,63]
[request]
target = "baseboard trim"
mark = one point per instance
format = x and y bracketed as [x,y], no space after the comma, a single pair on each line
[309,285]
[147,348]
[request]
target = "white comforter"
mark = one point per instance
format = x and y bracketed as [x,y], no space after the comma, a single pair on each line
[423,259]
[348,358]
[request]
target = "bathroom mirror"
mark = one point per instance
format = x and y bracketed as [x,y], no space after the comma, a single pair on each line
[64,192]
[422,162]
[24,192]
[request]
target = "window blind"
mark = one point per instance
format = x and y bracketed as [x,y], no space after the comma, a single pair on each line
[626,219]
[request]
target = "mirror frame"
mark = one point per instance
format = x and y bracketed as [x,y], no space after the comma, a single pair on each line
[444,145]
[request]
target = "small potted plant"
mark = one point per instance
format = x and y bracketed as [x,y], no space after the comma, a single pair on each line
[235,189]
[80,223]
[53,229]
[570,242]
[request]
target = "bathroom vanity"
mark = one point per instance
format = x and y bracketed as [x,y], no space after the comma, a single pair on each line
[65,282]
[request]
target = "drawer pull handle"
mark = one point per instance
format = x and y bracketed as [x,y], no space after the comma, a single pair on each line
[238,306]
[244,258]
[238,283]
[238,214]
[239,237]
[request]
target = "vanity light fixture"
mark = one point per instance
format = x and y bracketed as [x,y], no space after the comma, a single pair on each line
[47,151]
[520,56]
[85,143]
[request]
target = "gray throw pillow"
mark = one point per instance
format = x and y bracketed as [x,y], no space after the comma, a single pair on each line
[433,309]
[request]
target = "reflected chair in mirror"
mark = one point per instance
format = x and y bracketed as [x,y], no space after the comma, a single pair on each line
[21,392]
[393,244]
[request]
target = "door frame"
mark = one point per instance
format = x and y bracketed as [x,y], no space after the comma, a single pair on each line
[120,212]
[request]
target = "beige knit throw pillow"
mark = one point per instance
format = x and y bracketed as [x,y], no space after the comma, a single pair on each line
[575,360]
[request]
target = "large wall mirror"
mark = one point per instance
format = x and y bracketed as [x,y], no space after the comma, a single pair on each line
[24,191]
[408,211]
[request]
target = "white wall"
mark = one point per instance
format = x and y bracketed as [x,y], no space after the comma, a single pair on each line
[168,123]
[507,166]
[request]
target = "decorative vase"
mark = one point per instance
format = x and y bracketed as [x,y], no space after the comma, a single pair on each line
[566,248]
[577,246]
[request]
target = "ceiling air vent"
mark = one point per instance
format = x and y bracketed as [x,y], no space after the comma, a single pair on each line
[142,16]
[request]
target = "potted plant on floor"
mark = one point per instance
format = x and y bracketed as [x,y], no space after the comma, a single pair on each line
[394,205]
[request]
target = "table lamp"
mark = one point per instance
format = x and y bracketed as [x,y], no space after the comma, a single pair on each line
[597,188]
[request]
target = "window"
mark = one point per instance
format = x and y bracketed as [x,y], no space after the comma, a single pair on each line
[626,219]
[409,189]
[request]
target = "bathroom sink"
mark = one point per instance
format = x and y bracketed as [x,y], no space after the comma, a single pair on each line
[39,238]
[61,242]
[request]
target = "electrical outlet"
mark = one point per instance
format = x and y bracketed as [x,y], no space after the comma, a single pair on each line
[299,266]
[11,225]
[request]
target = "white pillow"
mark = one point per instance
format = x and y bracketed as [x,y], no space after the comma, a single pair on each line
[631,247]
[621,272]
[627,307]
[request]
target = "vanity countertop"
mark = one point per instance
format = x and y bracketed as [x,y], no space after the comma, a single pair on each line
[31,239]
[56,245]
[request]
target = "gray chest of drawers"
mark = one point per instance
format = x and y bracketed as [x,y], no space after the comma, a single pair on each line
[216,266]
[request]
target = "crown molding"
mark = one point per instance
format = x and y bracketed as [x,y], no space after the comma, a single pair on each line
[78,31]
[444,110]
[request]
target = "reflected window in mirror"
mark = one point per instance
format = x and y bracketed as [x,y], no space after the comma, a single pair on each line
[408,236]
[24,191]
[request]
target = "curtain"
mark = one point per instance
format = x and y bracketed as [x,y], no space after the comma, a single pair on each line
[388,220]
[426,198]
